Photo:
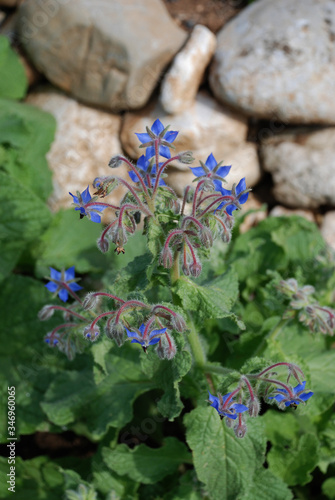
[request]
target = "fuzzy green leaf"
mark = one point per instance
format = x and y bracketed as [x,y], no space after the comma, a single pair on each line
[94,402]
[23,217]
[226,464]
[147,465]
[13,81]
[26,134]
[213,299]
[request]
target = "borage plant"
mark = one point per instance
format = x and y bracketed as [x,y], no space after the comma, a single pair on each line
[162,300]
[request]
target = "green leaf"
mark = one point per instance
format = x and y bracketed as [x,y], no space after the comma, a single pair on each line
[26,134]
[213,299]
[38,479]
[25,361]
[98,402]
[266,485]
[167,375]
[226,464]
[22,219]
[147,465]
[295,447]
[154,234]
[69,240]
[328,488]
[13,81]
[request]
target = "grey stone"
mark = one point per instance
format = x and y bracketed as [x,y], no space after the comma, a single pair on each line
[86,139]
[107,52]
[276,60]
[302,165]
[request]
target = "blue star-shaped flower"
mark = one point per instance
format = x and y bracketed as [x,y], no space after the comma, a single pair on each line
[211,169]
[300,396]
[165,138]
[230,410]
[143,164]
[91,211]
[241,186]
[58,278]
[152,339]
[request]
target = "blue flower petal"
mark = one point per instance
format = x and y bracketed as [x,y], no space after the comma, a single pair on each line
[142,328]
[153,333]
[241,186]
[230,209]
[239,408]
[75,198]
[55,275]
[75,287]
[242,199]
[95,217]
[198,171]
[143,138]
[223,171]
[133,176]
[157,127]
[211,162]
[63,295]
[150,152]
[232,416]
[164,151]
[135,341]
[154,341]
[306,395]
[170,136]
[69,274]
[51,286]
[85,195]
[299,387]
[143,163]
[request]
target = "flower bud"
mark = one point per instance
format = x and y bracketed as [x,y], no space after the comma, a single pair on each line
[166,257]
[118,236]
[240,430]
[186,157]
[103,244]
[115,331]
[90,301]
[91,333]
[185,268]
[254,407]
[45,313]
[206,237]
[115,161]
[178,323]
[195,269]
[166,349]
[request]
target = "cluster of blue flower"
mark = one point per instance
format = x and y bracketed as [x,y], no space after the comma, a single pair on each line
[206,212]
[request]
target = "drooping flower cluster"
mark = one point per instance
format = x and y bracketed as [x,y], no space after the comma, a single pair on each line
[271,389]
[302,305]
[159,320]
[210,214]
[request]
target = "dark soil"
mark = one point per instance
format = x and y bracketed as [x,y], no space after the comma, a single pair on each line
[211,13]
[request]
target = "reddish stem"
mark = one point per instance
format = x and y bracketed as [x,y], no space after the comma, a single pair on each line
[61,308]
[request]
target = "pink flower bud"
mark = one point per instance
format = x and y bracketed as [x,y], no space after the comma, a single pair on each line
[178,323]
[166,257]
[115,331]
[90,301]
[45,313]
[91,333]
[254,407]
[240,430]
[195,269]
[103,244]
